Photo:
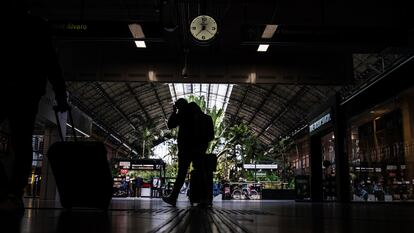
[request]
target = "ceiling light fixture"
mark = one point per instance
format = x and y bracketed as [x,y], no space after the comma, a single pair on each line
[269,30]
[137,33]
[262,48]
[140,44]
[151,76]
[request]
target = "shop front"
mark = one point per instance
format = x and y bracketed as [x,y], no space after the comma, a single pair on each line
[323,159]
[138,178]
[381,150]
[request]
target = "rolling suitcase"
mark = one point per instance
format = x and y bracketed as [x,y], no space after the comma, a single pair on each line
[82,172]
[195,185]
[198,193]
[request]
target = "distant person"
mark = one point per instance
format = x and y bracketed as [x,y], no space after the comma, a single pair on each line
[30,60]
[138,184]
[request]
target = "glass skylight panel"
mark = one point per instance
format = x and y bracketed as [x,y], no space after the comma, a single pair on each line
[204,88]
[215,94]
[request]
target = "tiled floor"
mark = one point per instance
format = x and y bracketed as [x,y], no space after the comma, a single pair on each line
[152,215]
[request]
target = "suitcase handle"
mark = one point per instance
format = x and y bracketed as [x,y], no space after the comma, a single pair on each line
[71,123]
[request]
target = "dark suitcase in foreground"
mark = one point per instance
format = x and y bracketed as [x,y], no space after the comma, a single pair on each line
[82,173]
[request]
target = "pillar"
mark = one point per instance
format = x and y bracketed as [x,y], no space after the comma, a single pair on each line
[343,191]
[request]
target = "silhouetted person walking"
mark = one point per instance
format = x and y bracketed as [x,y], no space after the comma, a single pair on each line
[29,58]
[191,146]
[203,133]
[181,117]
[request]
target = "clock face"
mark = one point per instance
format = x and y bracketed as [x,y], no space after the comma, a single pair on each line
[203,28]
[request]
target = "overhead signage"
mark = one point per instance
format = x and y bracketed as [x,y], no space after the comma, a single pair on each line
[260,166]
[321,121]
[102,29]
[142,167]
[261,174]
[124,164]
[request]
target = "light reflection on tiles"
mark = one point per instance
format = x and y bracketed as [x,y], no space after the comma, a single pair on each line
[139,215]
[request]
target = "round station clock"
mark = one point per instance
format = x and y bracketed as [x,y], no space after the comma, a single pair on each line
[203,28]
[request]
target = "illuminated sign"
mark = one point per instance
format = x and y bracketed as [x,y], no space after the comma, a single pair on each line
[321,121]
[142,167]
[260,166]
[261,174]
[125,164]
[124,171]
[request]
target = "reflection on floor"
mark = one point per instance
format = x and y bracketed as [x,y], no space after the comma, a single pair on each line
[152,215]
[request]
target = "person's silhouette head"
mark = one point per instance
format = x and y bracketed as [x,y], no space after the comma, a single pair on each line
[194,108]
[181,103]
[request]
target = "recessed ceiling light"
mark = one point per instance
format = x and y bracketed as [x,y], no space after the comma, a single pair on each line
[262,48]
[269,30]
[136,30]
[140,44]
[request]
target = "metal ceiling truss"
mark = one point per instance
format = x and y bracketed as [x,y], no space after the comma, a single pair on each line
[267,96]
[133,94]
[95,119]
[159,100]
[115,107]
[288,105]
[208,95]
[234,118]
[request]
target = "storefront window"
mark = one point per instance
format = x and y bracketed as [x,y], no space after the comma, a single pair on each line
[299,156]
[381,152]
[328,158]
[34,181]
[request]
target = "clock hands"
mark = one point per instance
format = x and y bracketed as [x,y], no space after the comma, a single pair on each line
[199,32]
[203,28]
[209,32]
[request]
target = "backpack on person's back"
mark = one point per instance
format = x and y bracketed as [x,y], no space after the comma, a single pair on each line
[208,128]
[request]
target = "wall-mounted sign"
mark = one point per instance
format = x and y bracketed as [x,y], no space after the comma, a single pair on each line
[260,166]
[318,123]
[124,164]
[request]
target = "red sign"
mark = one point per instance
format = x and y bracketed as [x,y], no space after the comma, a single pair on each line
[124,171]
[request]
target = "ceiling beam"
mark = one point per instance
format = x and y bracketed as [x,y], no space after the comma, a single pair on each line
[246,91]
[208,95]
[267,96]
[113,105]
[123,65]
[287,106]
[159,100]
[131,91]
[78,103]
[302,112]
[175,92]
[225,96]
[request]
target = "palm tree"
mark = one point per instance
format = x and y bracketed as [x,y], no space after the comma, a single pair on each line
[278,152]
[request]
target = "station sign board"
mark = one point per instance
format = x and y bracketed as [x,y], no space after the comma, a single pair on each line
[142,167]
[319,122]
[260,166]
[125,164]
